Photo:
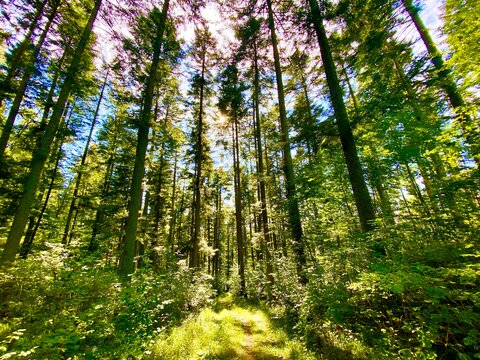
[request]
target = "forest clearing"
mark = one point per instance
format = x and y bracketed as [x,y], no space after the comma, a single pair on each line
[244,179]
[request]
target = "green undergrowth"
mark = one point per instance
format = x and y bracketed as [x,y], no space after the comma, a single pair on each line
[229,330]
[68,305]
[419,300]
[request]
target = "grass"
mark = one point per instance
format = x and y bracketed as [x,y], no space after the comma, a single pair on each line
[229,331]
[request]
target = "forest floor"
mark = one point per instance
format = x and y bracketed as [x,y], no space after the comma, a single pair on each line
[229,331]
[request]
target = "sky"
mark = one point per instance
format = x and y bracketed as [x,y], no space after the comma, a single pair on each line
[431,14]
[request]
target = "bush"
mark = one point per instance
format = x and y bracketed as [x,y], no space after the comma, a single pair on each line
[60,305]
[419,301]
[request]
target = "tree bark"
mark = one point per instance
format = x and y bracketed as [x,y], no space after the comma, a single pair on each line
[128,247]
[216,232]
[171,231]
[100,213]
[293,208]
[261,172]
[30,234]
[238,206]
[362,197]
[193,261]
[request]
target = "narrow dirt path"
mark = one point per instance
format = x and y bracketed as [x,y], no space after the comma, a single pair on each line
[229,332]
[249,342]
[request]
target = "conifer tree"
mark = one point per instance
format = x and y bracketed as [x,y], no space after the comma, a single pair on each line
[41,153]
[126,266]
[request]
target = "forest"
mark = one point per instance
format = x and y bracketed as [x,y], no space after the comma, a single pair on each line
[242,179]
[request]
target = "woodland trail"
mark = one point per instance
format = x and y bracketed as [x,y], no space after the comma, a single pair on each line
[229,332]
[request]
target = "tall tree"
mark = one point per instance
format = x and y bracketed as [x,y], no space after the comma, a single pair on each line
[231,103]
[446,81]
[249,35]
[203,45]
[41,153]
[362,197]
[126,266]
[78,181]
[29,70]
[292,200]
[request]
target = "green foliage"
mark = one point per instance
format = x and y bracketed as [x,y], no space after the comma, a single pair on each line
[462,28]
[419,301]
[61,304]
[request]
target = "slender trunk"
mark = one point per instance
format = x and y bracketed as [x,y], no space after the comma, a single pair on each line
[261,173]
[20,93]
[416,190]
[311,144]
[228,251]
[40,154]
[73,203]
[271,195]
[142,240]
[30,235]
[351,92]
[74,222]
[376,180]
[128,248]
[49,103]
[100,213]
[216,233]
[16,62]
[238,206]
[171,232]
[158,194]
[446,81]
[362,197]
[293,208]
[198,176]
[181,209]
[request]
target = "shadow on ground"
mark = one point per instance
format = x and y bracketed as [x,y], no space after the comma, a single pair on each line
[229,331]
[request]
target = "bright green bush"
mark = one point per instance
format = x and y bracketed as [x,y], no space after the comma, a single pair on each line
[419,300]
[60,305]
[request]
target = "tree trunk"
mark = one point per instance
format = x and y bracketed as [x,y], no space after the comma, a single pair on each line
[446,81]
[49,102]
[171,231]
[362,197]
[198,175]
[238,206]
[416,190]
[100,213]
[181,209]
[73,203]
[128,249]
[20,93]
[261,173]
[16,62]
[293,208]
[40,154]
[216,232]
[30,235]
[158,194]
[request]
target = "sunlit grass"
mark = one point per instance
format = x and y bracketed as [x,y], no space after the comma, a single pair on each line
[231,332]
